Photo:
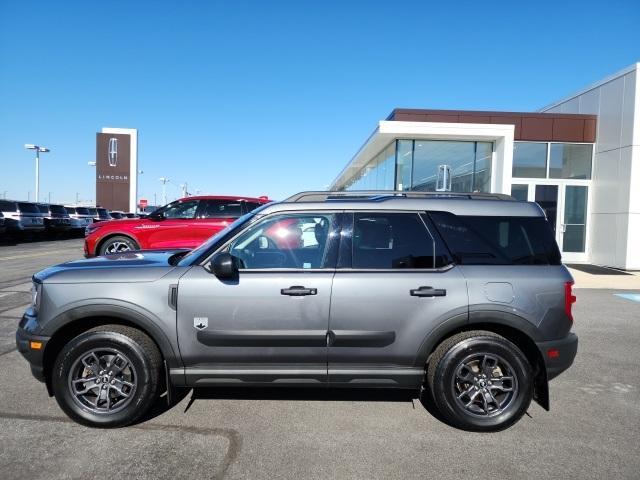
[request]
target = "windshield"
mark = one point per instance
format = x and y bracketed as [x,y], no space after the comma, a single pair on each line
[82,211]
[43,209]
[229,231]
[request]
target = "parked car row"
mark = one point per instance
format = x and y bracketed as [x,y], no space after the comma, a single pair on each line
[30,217]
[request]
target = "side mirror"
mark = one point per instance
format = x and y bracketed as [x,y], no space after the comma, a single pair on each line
[156,216]
[224,266]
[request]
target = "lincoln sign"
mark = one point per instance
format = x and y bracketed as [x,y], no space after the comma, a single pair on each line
[113,167]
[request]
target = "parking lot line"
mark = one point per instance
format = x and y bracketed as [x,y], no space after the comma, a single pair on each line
[634,297]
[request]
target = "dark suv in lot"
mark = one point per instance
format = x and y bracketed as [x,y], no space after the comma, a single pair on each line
[56,218]
[461,297]
[21,216]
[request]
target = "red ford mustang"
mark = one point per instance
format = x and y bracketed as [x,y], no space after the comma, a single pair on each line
[185,223]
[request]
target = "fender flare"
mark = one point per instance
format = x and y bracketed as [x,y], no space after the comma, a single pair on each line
[482,319]
[129,313]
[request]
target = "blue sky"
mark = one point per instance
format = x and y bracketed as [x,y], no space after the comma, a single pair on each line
[256,98]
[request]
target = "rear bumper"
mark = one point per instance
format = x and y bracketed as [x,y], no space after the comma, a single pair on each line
[24,339]
[559,354]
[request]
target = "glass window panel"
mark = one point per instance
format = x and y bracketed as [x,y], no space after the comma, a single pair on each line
[575,204]
[391,240]
[430,154]
[570,161]
[286,241]
[520,192]
[573,238]
[484,152]
[404,164]
[547,198]
[529,160]
[575,218]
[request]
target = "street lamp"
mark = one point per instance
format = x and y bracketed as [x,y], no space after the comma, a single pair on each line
[38,149]
[164,181]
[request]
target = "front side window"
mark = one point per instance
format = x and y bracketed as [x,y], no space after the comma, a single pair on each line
[182,210]
[291,241]
[220,209]
[390,241]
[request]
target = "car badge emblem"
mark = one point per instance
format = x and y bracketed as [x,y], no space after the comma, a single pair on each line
[113,152]
[200,323]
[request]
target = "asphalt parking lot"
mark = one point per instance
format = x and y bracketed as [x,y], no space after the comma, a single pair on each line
[592,431]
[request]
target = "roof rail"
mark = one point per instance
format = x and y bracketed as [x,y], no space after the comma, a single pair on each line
[380,195]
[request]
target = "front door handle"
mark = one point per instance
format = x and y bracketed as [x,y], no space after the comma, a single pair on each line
[428,292]
[298,291]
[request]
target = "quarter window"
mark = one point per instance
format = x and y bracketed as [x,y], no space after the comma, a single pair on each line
[392,240]
[288,241]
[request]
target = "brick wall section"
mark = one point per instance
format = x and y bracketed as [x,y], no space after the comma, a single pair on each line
[543,127]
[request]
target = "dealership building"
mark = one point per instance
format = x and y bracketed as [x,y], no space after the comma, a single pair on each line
[579,158]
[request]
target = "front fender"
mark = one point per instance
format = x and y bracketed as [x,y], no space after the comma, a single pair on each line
[121,310]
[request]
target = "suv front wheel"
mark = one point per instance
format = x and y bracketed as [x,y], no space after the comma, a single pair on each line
[118,244]
[108,376]
[480,381]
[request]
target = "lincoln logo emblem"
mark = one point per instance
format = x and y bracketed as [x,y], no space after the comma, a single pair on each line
[113,152]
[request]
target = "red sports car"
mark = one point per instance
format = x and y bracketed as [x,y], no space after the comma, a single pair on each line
[185,223]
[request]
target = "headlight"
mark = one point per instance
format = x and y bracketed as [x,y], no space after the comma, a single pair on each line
[36,288]
[89,229]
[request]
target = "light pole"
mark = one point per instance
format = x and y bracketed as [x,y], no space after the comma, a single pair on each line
[38,149]
[164,181]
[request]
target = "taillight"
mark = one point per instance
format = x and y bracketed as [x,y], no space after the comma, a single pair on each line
[569,299]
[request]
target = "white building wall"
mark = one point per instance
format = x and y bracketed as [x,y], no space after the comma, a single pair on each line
[614,223]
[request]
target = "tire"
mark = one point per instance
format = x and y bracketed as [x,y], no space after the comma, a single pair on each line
[132,387]
[465,398]
[118,244]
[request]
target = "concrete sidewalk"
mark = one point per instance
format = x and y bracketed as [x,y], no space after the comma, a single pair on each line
[617,282]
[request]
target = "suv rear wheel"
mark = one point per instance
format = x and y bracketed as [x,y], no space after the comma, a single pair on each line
[118,244]
[108,376]
[480,381]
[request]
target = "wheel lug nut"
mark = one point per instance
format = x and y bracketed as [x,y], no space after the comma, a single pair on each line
[112,382]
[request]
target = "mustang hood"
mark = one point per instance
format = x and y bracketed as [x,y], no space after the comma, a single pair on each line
[127,267]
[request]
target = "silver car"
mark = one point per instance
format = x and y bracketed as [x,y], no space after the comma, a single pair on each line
[458,297]
[80,217]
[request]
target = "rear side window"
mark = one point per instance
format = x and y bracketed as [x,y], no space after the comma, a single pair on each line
[28,207]
[391,241]
[220,209]
[479,240]
[7,206]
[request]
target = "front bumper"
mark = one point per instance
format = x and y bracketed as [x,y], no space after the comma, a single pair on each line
[559,354]
[31,346]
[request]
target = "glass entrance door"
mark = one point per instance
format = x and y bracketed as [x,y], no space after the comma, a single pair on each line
[565,203]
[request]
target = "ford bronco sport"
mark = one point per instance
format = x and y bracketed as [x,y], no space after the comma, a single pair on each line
[458,296]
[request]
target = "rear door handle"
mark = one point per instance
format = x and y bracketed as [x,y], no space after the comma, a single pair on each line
[298,291]
[428,292]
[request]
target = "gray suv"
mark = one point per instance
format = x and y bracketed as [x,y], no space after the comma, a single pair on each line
[458,297]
